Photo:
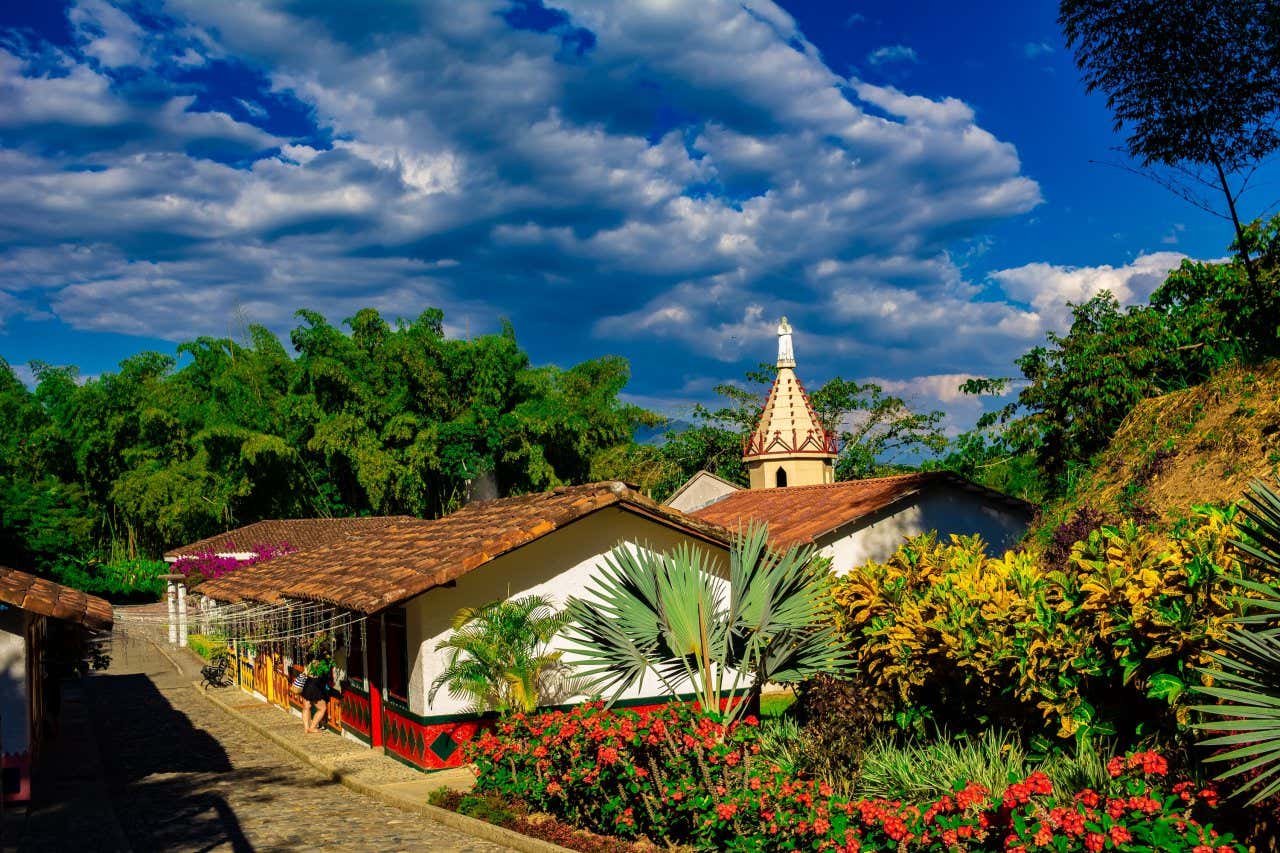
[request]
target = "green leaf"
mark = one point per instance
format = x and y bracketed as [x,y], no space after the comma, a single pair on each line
[1165,686]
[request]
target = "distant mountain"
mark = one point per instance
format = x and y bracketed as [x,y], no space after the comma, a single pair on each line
[658,435]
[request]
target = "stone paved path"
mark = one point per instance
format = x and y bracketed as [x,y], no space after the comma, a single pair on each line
[184,775]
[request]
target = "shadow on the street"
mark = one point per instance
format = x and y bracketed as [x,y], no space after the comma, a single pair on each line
[164,773]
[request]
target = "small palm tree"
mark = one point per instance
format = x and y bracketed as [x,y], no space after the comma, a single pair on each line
[498,654]
[1247,681]
[671,615]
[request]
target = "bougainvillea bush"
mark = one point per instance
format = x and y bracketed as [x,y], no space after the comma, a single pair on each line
[210,565]
[679,776]
[1107,645]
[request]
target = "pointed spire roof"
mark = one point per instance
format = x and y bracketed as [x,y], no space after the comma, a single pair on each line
[788,424]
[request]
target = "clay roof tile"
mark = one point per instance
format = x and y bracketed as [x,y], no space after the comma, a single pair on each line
[28,592]
[382,568]
[799,515]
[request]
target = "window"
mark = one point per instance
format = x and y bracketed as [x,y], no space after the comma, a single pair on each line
[780,479]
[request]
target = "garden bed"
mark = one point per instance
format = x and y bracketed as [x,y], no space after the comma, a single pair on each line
[681,777]
[515,815]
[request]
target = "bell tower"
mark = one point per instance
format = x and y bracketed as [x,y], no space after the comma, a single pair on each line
[789,446]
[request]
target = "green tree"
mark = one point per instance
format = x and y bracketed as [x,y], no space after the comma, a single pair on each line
[498,655]
[1079,386]
[668,615]
[874,430]
[1193,83]
[374,418]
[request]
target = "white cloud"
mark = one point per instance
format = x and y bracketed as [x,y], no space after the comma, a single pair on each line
[479,168]
[1047,288]
[892,53]
[107,33]
[1036,49]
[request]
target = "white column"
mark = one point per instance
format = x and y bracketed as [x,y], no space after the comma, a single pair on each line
[173,612]
[182,613]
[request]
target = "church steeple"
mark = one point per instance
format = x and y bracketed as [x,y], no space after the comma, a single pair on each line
[789,446]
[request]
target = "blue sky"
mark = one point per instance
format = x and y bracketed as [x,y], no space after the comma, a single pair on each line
[910,181]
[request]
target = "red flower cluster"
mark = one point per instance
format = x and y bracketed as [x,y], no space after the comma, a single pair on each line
[677,774]
[1150,763]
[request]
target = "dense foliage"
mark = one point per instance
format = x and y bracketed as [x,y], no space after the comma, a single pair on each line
[1106,644]
[119,580]
[381,420]
[1245,679]
[682,776]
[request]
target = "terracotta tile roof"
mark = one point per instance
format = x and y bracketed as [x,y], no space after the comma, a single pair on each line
[301,533]
[47,598]
[799,515]
[383,568]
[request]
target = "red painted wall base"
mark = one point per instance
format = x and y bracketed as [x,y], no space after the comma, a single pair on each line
[15,770]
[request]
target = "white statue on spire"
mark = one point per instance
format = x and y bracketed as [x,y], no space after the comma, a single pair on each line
[786,354]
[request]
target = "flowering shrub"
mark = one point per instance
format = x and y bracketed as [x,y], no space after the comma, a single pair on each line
[1108,642]
[677,775]
[209,565]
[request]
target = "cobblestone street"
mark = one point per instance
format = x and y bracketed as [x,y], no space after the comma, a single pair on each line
[183,775]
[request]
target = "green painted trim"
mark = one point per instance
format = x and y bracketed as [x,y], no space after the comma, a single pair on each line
[348,684]
[402,710]
[360,736]
[391,753]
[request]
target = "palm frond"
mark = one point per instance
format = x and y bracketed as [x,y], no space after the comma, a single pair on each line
[1246,681]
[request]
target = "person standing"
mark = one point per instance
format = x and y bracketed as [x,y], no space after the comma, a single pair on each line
[315,695]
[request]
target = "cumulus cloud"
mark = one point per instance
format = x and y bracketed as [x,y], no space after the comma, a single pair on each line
[892,53]
[661,179]
[1047,288]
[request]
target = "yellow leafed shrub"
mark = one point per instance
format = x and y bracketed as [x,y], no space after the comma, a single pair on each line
[1105,644]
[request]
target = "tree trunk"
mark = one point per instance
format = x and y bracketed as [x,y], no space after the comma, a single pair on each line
[1242,246]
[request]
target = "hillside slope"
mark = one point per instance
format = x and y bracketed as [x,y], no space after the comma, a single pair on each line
[1200,445]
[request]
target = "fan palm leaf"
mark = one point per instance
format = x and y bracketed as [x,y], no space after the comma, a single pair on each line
[672,616]
[1246,681]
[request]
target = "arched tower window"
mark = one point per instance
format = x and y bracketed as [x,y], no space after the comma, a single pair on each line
[781,478]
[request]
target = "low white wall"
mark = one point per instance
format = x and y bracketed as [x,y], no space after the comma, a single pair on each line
[944,509]
[15,722]
[559,565]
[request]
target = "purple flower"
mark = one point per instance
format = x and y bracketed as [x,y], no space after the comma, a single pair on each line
[209,565]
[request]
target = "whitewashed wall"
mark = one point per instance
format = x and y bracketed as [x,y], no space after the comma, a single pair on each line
[700,490]
[947,510]
[15,722]
[559,565]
